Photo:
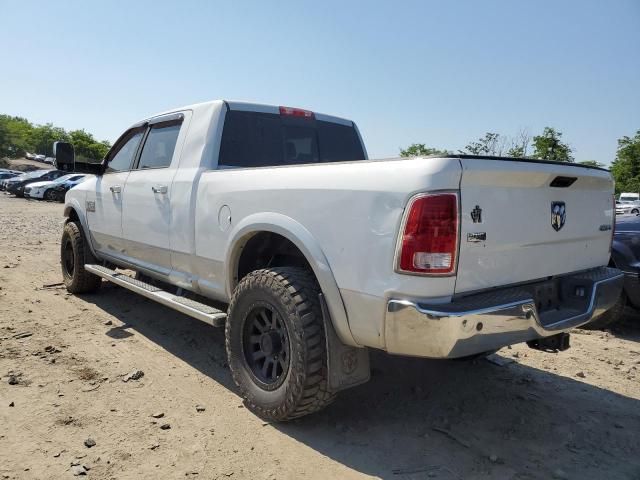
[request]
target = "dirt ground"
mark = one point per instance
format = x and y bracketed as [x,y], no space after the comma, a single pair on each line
[526,415]
[28,165]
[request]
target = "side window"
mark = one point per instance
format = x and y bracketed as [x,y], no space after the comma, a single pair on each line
[159,146]
[123,157]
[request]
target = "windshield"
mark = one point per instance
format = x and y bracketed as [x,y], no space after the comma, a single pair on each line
[64,178]
[254,139]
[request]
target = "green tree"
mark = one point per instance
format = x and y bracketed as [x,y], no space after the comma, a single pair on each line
[490,144]
[592,163]
[626,167]
[87,148]
[43,137]
[421,150]
[15,136]
[549,146]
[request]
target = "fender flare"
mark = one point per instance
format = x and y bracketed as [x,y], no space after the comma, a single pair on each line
[310,248]
[74,205]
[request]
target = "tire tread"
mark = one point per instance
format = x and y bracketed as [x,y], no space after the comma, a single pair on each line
[297,288]
[82,281]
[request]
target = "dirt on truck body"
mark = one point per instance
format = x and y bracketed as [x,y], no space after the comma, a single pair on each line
[116,386]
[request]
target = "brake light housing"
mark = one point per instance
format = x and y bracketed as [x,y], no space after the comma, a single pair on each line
[296,112]
[429,236]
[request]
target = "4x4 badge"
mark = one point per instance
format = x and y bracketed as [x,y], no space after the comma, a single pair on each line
[558,215]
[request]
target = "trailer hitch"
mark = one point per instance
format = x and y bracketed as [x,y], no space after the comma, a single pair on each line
[554,343]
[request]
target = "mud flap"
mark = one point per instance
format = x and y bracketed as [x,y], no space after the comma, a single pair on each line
[347,366]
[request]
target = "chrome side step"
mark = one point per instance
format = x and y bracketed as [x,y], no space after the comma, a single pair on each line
[193,308]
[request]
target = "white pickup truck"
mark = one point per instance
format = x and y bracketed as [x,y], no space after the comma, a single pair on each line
[272,222]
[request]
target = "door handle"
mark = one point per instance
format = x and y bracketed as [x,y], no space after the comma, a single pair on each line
[159,189]
[116,189]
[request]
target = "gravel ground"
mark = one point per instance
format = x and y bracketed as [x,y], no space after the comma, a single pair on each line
[64,359]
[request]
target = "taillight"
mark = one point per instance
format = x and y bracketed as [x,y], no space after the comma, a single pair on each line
[429,242]
[296,112]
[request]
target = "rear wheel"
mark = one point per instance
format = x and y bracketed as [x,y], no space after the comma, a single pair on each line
[611,316]
[275,343]
[49,195]
[74,254]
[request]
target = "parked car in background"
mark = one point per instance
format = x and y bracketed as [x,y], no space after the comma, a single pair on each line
[49,160]
[39,158]
[623,208]
[5,175]
[53,190]
[62,189]
[626,197]
[16,186]
[625,255]
[4,184]
[29,156]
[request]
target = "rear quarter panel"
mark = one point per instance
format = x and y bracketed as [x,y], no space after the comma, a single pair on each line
[353,211]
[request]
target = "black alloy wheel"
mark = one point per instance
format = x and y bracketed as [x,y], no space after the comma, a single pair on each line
[266,346]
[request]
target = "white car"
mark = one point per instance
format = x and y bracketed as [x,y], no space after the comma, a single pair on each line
[629,197]
[49,160]
[623,208]
[39,158]
[321,254]
[49,190]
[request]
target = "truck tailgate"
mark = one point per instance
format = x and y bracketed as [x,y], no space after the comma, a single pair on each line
[523,221]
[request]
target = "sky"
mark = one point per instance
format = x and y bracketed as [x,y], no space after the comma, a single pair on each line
[436,72]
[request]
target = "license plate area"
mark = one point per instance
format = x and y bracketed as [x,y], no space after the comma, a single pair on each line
[547,296]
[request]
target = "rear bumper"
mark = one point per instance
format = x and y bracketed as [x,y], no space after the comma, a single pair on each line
[488,321]
[632,287]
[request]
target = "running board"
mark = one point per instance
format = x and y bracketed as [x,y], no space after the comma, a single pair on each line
[194,309]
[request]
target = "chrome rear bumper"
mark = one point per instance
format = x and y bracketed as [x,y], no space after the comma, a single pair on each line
[488,321]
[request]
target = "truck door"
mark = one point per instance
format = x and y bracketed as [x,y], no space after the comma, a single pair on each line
[146,217]
[104,210]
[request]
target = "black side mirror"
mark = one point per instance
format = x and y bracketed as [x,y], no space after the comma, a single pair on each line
[65,156]
[87,167]
[65,160]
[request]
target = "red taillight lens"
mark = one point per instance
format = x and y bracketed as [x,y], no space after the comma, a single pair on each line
[295,112]
[429,242]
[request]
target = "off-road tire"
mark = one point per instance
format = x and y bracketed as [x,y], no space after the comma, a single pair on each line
[611,316]
[73,243]
[293,292]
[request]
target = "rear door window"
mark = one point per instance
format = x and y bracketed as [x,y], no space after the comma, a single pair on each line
[159,146]
[254,139]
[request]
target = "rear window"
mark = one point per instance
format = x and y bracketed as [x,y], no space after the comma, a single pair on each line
[159,146]
[252,139]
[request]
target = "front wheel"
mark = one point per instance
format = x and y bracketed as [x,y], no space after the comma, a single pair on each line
[276,345]
[74,254]
[635,211]
[49,195]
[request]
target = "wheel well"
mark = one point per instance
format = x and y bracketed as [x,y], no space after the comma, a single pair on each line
[72,216]
[268,249]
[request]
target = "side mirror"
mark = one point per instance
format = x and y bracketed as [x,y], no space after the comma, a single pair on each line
[87,167]
[65,160]
[65,156]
